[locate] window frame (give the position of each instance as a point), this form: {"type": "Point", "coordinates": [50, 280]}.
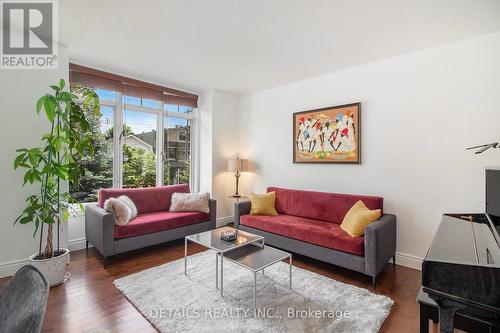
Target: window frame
{"type": "Point", "coordinates": [118, 121]}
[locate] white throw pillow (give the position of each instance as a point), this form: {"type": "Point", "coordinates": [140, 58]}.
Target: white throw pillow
{"type": "Point", "coordinates": [190, 202]}
{"type": "Point", "coordinates": [119, 209]}
{"type": "Point", "coordinates": [130, 204]}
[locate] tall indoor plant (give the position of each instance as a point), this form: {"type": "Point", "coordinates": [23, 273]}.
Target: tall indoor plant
{"type": "Point", "coordinates": [51, 166]}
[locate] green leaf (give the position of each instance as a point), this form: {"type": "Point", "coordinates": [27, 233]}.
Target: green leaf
{"type": "Point", "coordinates": [62, 83]}
{"type": "Point", "coordinates": [18, 218]}
{"type": "Point", "coordinates": [19, 160]}
{"type": "Point", "coordinates": [33, 157]}
{"type": "Point", "coordinates": [50, 108]}
{"type": "Point", "coordinates": [58, 143]}
{"type": "Point", "coordinates": [39, 104]}
{"type": "Point", "coordinates": [56, 88]}
{"type": "Point", "coordinates": [66, 96]}
{"type": "Point", "coordinates": [25, 220]}
{"type": "Point", "coordinates": [27, 177]}
{"type": "Point", "coordinates": [37, 176]}
{"type": "Point", "coordinates": [37, 224]}
{"type": "Point", "coordinates": [65, 215]}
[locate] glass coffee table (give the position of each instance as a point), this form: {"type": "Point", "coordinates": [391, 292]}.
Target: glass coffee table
{"type": "Point", "coordinates": [211, 240]}
{"type": "Point", "coordinates": [248, 251]}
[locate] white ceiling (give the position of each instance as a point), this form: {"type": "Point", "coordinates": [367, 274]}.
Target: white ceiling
{"type": "Point", "coordinates": [246, 45]}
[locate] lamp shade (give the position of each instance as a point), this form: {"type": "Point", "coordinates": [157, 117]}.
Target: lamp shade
{"type": "Point", "coordinates": [237, 164]}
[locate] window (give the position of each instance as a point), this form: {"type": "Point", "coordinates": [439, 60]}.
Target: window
{"type": "Point", "coordinates": [106, 95]}
{"type": "Point", "coordinates": [153, 146]}
{"type": "Point", "coordinates": [139, 148]}
{"type": "Point", "coordinates": [178, 109]}
{"type": "Point", "coordinates": [98, 168]}
{"type": "Point", "coordinates": [177, 146]}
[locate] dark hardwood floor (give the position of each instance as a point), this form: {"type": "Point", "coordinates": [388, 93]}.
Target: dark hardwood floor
{"type": "Point", "coordinates": [89, 302]}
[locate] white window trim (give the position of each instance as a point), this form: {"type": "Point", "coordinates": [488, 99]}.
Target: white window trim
{"type": "Point", "coordinates": [118, 121]}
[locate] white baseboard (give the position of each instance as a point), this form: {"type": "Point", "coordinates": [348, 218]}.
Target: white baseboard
{"type": "Point", "coordinates": [409, 260]}
{"type": "Point", "coordinates": [10, 267]}
{"type": "Point", "coordinates": [223, 221]}
{"type": "Point", "coordinates": [77, 244]}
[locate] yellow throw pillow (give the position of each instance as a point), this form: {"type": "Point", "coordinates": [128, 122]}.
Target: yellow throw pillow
{"type": "Point", "coordinates": [263, 204]}
{"type": "Point", "coordinates": [357, 218]}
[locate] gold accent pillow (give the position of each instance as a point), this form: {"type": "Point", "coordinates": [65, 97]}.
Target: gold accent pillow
{"type": "Point", "coordinates": [263, 204]}
{"type": "Point", "coordinates": [358, 217]}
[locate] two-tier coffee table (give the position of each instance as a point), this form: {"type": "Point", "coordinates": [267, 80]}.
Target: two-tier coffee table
{"type": "Point", "coordinates": [255, 259]}
{"type": "Point", "coordinates": [248, 251]}
{"type": "Point", "coordinates": [211, 240]}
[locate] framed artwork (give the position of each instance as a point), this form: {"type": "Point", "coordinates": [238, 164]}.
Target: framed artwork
{"type": "Point", "coordinates": [328, 135]}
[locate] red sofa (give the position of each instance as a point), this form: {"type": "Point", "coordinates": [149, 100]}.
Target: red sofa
{"type": "Point", "coordinates": [154, 223]}
{"type": "Point", "coordinates": [308, 223]}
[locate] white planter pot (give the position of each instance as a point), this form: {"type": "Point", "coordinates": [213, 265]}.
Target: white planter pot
{"type": "Point", "coordinates": [54, 269]}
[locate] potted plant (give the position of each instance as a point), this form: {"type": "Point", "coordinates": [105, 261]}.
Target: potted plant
{"type": "Point", "coordinates": [52, 166]}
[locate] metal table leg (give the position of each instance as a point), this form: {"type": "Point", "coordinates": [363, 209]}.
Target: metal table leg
{"type": "Point", "coordinates": [254, 290]}
{"type": "Point", "coordinates": [290, 263]}
{"type": "Point", "coordinates": [221, 274]}
{"type": "Point", "coordinates": [185, 255]}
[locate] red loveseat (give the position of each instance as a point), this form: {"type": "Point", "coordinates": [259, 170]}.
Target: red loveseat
{"type": "Point", "coordinates": [153, 225]}
{"type": "Point", "coordinates": [308, 223]}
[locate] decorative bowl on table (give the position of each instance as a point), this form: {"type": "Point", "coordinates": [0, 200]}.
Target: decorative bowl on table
{"type": "Point", "coordinates": [229, 236]}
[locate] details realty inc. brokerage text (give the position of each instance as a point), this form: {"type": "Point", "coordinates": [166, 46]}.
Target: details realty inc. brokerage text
{"type": "Point", "coordinates": [228, 313]}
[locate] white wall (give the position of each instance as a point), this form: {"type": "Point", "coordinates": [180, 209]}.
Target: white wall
{"type": "Point", "coordinates": [217, 143]}
{"type": "Point", "coordinates": [21, 127]}
{"type": "Point", "coordinates": [203, 145]}
{"type": "Point", "coordinates": [419, 112]}
{"type": "Point", "coordinates": [224, 147]}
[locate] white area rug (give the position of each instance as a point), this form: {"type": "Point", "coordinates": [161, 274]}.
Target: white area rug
{"type": "Point", "coordinates": [173, 302]}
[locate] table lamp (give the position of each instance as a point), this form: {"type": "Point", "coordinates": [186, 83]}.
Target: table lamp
{"type": "Point", "coordinates": [237, 165]}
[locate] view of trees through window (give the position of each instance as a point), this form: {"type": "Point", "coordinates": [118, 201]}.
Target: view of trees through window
{"type": "Point", "coordinates": [98, 168]}
{"type": "Point", "coordinates": [137, 145]}
{"type": "Point", "coordinates": [139, 149]}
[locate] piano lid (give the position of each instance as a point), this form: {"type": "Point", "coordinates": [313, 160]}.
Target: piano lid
{"type": "Point", "coordinates": [462, 241]}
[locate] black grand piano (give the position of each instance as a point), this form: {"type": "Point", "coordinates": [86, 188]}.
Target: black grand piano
{"type": "Point", "coordinates": [461, 271]}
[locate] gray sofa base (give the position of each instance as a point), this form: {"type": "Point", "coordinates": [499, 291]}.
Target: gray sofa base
{"type": "Point", "coordinates": [123, 245]}
{"type": "Point", "coordinates": [331, 256]}
{"type": "Point", "coordinates": [100, 227]}
{"type": "Point", "coordinates": [379, 241]}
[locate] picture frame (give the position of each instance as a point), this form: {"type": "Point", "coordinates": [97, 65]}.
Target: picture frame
{"type": "Point", "coordinates": [328, 135]}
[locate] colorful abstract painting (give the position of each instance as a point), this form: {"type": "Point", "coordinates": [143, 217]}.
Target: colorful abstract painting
{"type": "Point", "coordinates": [328, 135]}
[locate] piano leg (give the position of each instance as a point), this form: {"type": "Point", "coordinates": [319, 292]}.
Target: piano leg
{"type": "Point", "coordinates": [394, 261]}
{"type": "Point", "coordinates": [424, 319]}
{"type": "Point", "coordinates": [446, 319]}
{"type": "Point", "coordinates": [447, 311]}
